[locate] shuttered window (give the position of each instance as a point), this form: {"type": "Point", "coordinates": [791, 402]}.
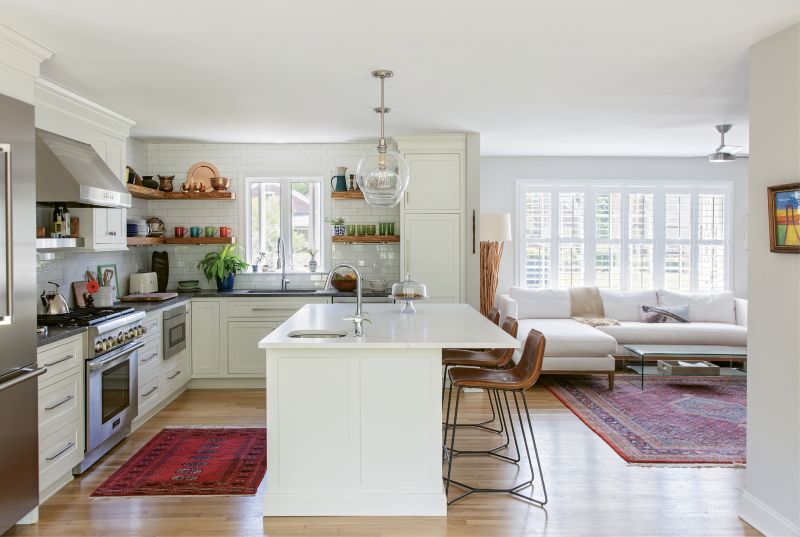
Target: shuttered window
{"type": "Point", "coordinates": [624, 236]}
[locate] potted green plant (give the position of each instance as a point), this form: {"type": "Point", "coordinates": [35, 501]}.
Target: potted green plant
{"type": "Point", "coordinates": [257, 261]}
{"type": "Point", "coordinates": [337, 224]}
{"type": "Point", "coordinates": [223, 265]}
{"type": "Point", "coordinates": [312, 263]}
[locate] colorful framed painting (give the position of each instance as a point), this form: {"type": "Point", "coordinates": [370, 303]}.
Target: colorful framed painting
{"type": "Point", "coordinates": [784, 218]}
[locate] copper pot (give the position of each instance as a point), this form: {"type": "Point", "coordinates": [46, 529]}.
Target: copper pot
{"type": "Point", "coordinates": [220, 183]}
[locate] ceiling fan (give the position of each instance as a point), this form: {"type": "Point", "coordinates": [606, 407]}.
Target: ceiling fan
{"type": "Point", "coordinates": [724, 153]}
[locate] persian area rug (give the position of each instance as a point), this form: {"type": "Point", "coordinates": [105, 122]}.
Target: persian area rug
{"type": "Point", "coordinates": [193, 462]}
{"type": "Point", "coordinates": [685, 420]}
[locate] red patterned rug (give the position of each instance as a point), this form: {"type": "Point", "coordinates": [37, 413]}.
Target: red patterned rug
{"type": "Point", "coordinates": [193, 462]}
{"type": "Point", "coordinates": [686, 420]}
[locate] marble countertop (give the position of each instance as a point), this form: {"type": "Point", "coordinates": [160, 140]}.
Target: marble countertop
{"type": "Point", "coordinates": [240, 293]}
{"type": "Point", "coordinates": [433, 326]}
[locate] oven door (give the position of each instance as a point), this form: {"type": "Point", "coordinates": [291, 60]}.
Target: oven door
{"type": "Point", "coordinates": [112, 398]}
{"type": "Point", "coordinates": [174, 331]}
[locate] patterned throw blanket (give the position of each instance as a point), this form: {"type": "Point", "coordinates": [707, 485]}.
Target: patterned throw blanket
{"type": "Point", "coordinates": [586, 307]}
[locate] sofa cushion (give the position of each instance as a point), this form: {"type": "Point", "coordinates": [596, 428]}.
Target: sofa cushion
{"type": "Point", "coordinates": [541, 303]}
{"type": "Point", "coordinates": [625, 305]}
{"type": "Point", "coordinates": [566, 337]}
{"type": "Point", "coordinates": [698, 333]}
{"type": "Point", "coordinates": [703, 307]}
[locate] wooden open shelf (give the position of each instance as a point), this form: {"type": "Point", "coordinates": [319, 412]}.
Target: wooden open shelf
{"type": "Point", "coordinates": [138, 191]}
{"type": "Point", "coordinates": [152, 241]}
{"type": "Point", "coordinates": [348, 195]}
{"type": "Point", "coordinates": [368, 239]}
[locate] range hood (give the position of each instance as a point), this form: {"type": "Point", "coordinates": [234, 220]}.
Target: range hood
{"type": "Point", "coordinates": [71, 171]}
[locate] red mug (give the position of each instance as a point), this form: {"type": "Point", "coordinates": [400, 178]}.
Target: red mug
{"type": "Point", "coordinates": [225, 231]}
{"type": "Point", "coordinates": [180, 232]}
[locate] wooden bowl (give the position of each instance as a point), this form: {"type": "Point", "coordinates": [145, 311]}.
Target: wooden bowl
{"type": "Point", "coordinates": [220, 183]}
{"type": "Point", "coordinates": [344, 285]}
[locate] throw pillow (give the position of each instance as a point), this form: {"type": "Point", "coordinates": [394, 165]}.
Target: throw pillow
{"type": "Point", "coordinates": [664, 314]}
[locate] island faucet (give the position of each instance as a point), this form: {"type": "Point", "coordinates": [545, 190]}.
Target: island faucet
{"type": "Point", "coordinates": [282, 262]}
{"type": "Point", "coordinates": [358, 318]}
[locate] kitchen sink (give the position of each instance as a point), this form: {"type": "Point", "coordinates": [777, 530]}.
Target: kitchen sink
{"type": "Point", "coordinates": [316, 334]}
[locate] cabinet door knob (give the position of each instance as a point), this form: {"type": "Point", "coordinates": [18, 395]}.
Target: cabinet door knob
{"type": "Point", "coordinates": [112, 233]}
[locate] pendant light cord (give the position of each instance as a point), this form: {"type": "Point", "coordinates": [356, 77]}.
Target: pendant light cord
{"type": "Point", "coordinates": [382, 142]}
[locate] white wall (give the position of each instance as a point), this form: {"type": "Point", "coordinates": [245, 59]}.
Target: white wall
{"type": "Point", "coordinates": [771, 501]}
{"type": "Point", "coordinates": [499, 175]}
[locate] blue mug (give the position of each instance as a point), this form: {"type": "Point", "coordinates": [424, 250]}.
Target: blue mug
{"type": "Point", "coordinates": [341, 183]}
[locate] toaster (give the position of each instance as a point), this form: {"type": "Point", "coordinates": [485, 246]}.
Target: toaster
{"type": "Point", "coordinates": [143, 282]}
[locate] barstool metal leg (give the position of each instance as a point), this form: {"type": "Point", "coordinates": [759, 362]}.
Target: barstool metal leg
{"type": "Point", "coordinates": [515, 490]}
{"type": "Point", "coordinates": [503, 428]}
{"type": "Point", "coordinates": [452, 439]}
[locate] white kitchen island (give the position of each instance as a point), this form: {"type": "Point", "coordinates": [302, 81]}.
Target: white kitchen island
{"type": "Point", "coordinates": [354, 424]}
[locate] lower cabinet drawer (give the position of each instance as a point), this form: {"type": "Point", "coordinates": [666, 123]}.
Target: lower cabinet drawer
{"type": "Point", "coordinates": [60, 402]}
{"type": "Point", "coordinates": [152, 325]}
{"type": "Point", "coordinates": [59, 359]}
{"type": "Point", "coordinates": [177, 370]}
{"type": "Point", "coordinates": [150, 393]}
{"type": "Point", "coordinates": [59, 452]}
{"type": "Point", "coordinates": [149, 359]}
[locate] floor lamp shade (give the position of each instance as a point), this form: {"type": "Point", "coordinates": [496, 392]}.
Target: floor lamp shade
{"type": "Point", "coordinates": [495, 230]}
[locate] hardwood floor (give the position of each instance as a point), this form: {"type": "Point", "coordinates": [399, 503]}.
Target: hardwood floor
{"type": "Point", "coordinates": [592, 491]}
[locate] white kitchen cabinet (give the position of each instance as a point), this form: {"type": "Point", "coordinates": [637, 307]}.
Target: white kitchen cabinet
{"type": "Point", "coordinates": [436, 182]}
{"type": "Point", "coordinates": [102, 229]}
{"type": "Point", "coordinates": [61, 407]}
{"type": "Point", "coordinates": [205, 319]}
{"type": "Point", "coordinates": [244, 356]}
{"type": "Point", "coordinates": [432, 254]}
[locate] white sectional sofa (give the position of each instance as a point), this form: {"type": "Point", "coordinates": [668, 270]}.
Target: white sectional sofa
{"type": "Point", "coordinates": [572, 346]}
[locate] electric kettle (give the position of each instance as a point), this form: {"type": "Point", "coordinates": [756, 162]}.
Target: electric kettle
{"type": "Point", "coordinates": [54, 302]}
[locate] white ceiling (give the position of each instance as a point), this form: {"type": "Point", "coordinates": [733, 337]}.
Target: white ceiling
{"type": "Point", "coordinates": [534, 77]}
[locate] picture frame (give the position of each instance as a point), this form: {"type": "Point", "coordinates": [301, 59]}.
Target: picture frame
{"type": "Point", "coordinates": [112, 267]}
{"type": "Point", "coordinates": [784, 218]}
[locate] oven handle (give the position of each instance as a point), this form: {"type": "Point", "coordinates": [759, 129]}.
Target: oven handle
{"type": "Point", "coordinates": [116, 358]}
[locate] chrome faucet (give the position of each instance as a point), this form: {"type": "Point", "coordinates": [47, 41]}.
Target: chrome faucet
{"type": "Point", "coordinates": [282, 262]}
{"type": "Point", "coordinates": [358, 318]}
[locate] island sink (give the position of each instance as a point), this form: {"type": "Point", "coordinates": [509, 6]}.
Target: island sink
{"type": "Point", "coordinates": [316, 334]}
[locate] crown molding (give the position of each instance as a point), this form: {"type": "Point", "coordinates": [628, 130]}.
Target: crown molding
{"type": "Point", "coordinates": [65, 96]}
{"type": "Point", "coordinates": [24, 45]}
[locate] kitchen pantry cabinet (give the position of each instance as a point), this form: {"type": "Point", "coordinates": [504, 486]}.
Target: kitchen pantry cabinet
{"type": "Point", "coordinates": [432, 254]}
{"type": "Point", "coordinates": [61, 404]}
{"type": "Point", "coordinates": [102, 229]}
{"type": "Point", "coordinates": [436, 183]}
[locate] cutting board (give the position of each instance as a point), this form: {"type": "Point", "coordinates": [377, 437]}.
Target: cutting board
{"type": "Point", "coordinates": [148, 297]}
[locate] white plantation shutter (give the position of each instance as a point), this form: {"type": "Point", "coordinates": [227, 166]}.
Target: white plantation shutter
{"type": "Point", "coordinates": [619, 236]}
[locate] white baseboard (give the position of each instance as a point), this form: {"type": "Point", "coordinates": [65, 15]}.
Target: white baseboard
{"type": "Point", "coordinates": [220, 383]}
{"type": "Point", "coordinates": [354, 504]}
{"type": "Point", "coordinates": [30, 518]}
{"type": "Point", "coordinates": [763, 518]}
{"type": "Point", "coordinates": [57, 485]}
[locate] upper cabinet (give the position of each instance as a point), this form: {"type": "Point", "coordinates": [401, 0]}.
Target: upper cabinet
{"type": "Point", "coordinates": [436, 182]}
{"type": "Point", "coordinates": [112, 150]}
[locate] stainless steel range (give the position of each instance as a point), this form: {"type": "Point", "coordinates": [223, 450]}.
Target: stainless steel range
{"type": "Point", "coordinates": [111, 387]}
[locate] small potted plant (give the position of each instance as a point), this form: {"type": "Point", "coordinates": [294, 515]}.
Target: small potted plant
{"type": "Point", "coordinates": [257, 261]}
{"type": "Point", "coordinates": [223, 265]}
{"type": "Point", "coordinates": [338, 226]}
{"type": "Point", "coordinates": [312, 263]}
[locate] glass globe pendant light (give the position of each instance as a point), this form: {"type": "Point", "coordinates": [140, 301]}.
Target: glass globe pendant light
{"type": "Point", "coordinates": [382, 174]}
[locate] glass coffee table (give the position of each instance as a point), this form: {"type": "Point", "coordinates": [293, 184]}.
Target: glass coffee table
{"type": "Point", "coordinates": [689, 353]}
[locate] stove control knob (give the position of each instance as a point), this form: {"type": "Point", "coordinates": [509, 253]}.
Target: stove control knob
{"type": "Point", "coordinates": [98, 346]}
{"type": "Point", "coordinates": [103, 345]}
{"type": "Point", "coordinates": [142, 328]}
{"type": "Point", "coordinates": [121, 338]}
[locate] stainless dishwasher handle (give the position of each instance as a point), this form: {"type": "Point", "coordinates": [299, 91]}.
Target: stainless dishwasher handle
{"type": "Point", "coordinates": [68, 398]}
{"type": "Point", "coordinates": [22, 378]}
{"type": "Point", "coordinates": [57, 455]}
{"type": "Point", "coordinates": [64, 359]}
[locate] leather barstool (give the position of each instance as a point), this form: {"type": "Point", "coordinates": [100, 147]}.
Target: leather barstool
{"type": "Point", "coordinates": [494, 359]}
{"type": "Point", "coordinates": [512, 381]}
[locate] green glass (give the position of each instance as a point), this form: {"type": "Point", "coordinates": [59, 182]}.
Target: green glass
{"type": "Point", "coordinates": [390, 228]}
{"type": "Point", "coordinates": [381, 228]}
{"type": "Point", "coordinates": [371, 229]}
{"type": "Point", "coordinates": [350, 229]}
{"type": "Point", "coordinates": [360, 229]}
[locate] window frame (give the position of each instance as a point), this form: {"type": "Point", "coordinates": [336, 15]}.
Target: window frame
{"type": "Point", "coordinates": [285, 181]}
{"type": "Point", "coordinates": [590, 188]}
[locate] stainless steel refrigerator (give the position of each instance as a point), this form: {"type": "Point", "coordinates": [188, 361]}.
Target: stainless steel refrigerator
{"type": "Point", "coordinates": [19, 445]}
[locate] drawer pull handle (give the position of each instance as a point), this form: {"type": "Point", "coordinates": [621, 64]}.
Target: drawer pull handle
{"type": "Point", "coordinates": [260, 309]}
{"type": "Point", "coordinates": [67, 398]}
{"type": "Point", "coordinates": [64, 359]}
{"type": "Point", "coordinates": [175, 375]}
{"type": "Point", "coordinates": [149, 357]}
{"type": "Point", "coordinates": [112, 233]}
{"type": "Point", "coordinates": [57, 455]}
{"type": "Point", "coordinates": [154, 388]}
